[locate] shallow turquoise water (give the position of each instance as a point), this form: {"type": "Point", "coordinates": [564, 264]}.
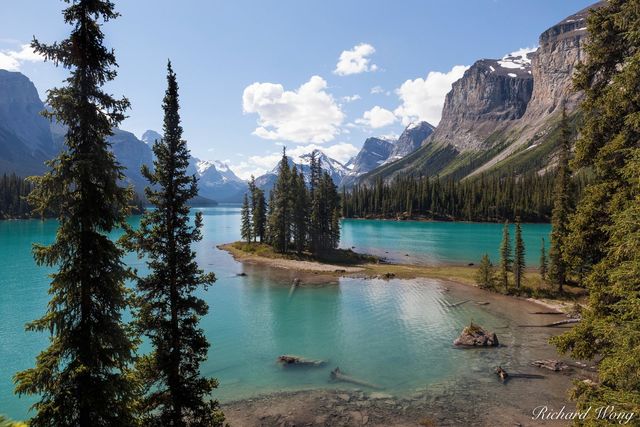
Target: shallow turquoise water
{"type": "Point", "coordinates": [395, 333]}
{"type": "Point", "coordinates": [438, 242]}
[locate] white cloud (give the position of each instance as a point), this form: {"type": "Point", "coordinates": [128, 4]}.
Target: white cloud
{"type": "Point", "coordinates": [11, 60]}
{"type": "Point", "coordinates": [350, 98]}
{"type": "Point", "coordinates": [356, 60]}
{"type": "Point", "coordinates": [308, 114]}
{"type": "Point", "coordinates": [377, 117]}
{"type": "Point", "coordinates": [259, 165]}
{"type": "Point", "coordinates": [422, 99]}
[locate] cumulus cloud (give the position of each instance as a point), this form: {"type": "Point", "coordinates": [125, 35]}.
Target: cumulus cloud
{"type": "Point", "coordinates": [308, 114]}
{"type": "Point", "coordinates": [422, 99]}
{"type": "Point", "coordinates": [259, 165]}
{"type": "Point", "coordinates": [376, 90]}
{"type": "Point", "coordinates": [377, 117]}
{"type": "Point", "coordinates": [356, 60]}
{"type": "Point", "coordinates": [11, 60]}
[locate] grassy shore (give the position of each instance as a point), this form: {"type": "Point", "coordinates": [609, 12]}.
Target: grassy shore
{"type": "Point", "coordinates": [345, 262]}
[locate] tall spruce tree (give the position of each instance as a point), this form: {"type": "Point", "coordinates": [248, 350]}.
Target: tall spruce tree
{"type": "Point", "coordinates": [258, 211]}
{"type": "Point", "coordinates": [168, 312]}
{"type": "Point", "coordinates": [280, 209]}
{"type": "Point", "coordinates": [543, 261]}
{"type": "Point", "coordinates": [81, 378]}
{"type": "Point", "coordinates": [506, 260]}
{"type": "Point", "coordinates": [605, 229]}
{"type": "Point", "coordinates": [518, 259]}
{"type": "Point", "coordinates": [245, 217]}
{"type": "Point", "coordinates": [561, 208]}
{"type": "Point", "coordinates": [315, 213]}
{"type": "Point", "coordinates": [300, 206]}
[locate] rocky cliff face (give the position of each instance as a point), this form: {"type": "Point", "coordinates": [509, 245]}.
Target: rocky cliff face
{"type": "Point", "coordinates": [373, 154]}
{"type": "Point", "coordinates": [553, 64]}
{"type": "Point", "coordinates": [490, 95]}
{"type": "Point", "coordinates": [410, 140]}
{"type": "Point", "coordinates": [25, 139]}
{"type": "Point", "coordinates": [503, 109]}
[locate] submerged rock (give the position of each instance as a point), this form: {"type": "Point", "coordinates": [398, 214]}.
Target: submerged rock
{"type": "Point", "coordinates": [474, 336]}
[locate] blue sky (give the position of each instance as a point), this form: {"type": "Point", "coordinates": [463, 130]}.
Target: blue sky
{"type": "Point", "coordinates": [256, 75]}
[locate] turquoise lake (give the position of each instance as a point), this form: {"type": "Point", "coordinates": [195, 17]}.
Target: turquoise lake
{"type": "Point", "coordinates": [396, 334]}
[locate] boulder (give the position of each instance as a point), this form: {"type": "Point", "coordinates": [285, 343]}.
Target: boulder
{"type": "Point", "coordinates": [475, 336]}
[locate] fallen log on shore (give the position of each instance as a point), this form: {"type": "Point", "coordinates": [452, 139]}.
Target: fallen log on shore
{"type": "Point", "coordinates": [553, 324]}
{"type": "Point", "coordinates": [337, 375]}
{"type": "Point", "coordinates": [546, 312]}
{"type": "Point", "coordinates": [504, 376]}
{"type": "Point", "coordinates": [551, 364]}
{"type": "Point", "coordinates": [457, 304]}
{"type": "Point", "coordinates": [291, 360]}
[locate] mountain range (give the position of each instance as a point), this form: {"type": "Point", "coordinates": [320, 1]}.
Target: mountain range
{"type": "Point", "coordinates": [502, 115]}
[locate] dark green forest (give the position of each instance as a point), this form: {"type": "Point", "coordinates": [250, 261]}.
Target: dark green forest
{"type": "Point", "coordinates": [491, 198]}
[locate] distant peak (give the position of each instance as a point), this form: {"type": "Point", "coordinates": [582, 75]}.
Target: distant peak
{"type": "Point", "coordinates": [150, 136]}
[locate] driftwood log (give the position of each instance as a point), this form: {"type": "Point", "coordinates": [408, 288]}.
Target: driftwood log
{"type": "Point", "coordinates": [504, 376]}
{"type": "Point", "coordinates": [457, 304]}
{"type": "Point", "coordinates": [291, 360]}
{"type": "Point", "coordinates": [553, 324]}
{"type": "Point", "coordinates": [338, 375]}
{"type": "Point", "coordinates": [546, 312]}
{"type": "Point", "coordinates": [550, 364]}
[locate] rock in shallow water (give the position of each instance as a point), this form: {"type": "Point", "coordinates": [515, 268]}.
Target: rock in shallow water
{"type": "Point", "coordinates": [476, 336]}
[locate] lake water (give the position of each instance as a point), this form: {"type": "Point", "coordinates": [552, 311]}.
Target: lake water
{"type": "Point", "coordinates": [396, 334]}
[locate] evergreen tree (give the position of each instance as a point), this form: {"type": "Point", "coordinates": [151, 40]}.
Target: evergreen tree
{"type": "Point", "coordinates": [543, 261]}
{"type": "Point", "coordinates": [605, 229]}
{"type": "Point", "coordinates": [81, 378]}
{"type": "Point", "coordinates": [485, 276]}
{"type": "Point", "coordinates": [518, 261]}
{"type": "Point", "coordinates": [280, 214]}
{"type": "Point", "coordinates": [315, 214]}
{"type": "Point", "coordinates": [300, 205]}
{"type": "Point", "coordinates": [561, 208]}
{"type": "Point", "coordinates": [506, 260]}
{"type": "Point", "coordinates": [246, 230]}
{"type": "Point", "coordinates": [258, 211]}
{"type": "Point", "coordinates": [176, 394]}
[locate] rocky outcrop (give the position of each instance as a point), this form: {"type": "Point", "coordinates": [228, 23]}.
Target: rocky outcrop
{"type": "Point", "coordinates": [410, 140]}
{"type": "Point", "coordinates": [490, 96]}
{"type": "Point", "coordinates": [474, 336]}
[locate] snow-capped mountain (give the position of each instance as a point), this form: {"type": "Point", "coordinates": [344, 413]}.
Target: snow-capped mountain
{"type": "Point", "coordinates": [150, 136]}
{"type": "Point", "coordinates": [336, 170]}
{"type": "Point", "coordinates": [377, 152]}
{"type": "Point", "coordinates": [215, 179]}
